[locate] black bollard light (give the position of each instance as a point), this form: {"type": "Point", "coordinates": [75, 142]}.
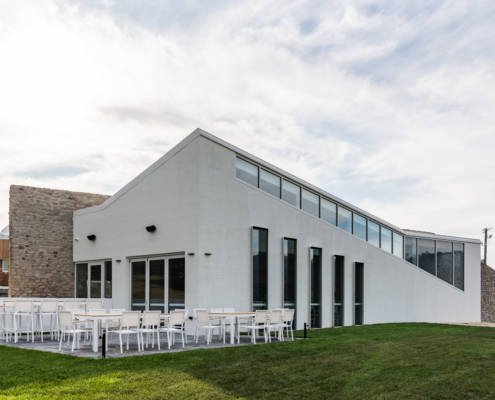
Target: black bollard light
{"type": "Point", "coordinates": [305, 330]}
{"type": "Point", "coordinates": [103, 345]}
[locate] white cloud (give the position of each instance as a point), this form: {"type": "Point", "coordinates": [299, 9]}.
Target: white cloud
{"type": "Point", "coordinates": [385, 104]}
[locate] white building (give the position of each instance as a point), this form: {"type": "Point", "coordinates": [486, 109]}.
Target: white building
{"type": "Point", "coordinates": [209, 225]}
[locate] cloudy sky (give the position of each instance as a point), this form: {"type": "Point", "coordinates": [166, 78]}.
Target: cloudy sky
{"type": "Point", "coordinates": [389, 105]}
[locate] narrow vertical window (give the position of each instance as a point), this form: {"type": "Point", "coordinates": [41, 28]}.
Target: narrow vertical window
{"type": "Point", "coordinates": [108, 279]}
{"type": "Point", "coordinates": [345, 219]}
{"type": "Point", "coordinates": [5, 266]}
{"type": "Point", "coordinates": [329, 212]}
{"type": "Point", "coordinates": [291, 193]}
{"type": "Point", "coordinates": [398, 245]}
{"type": "Point", "coordinates": [373, 233]}
{"type": "Point", "coordinates": [270, 183]}
{"type": "Point", "coordinates": [290, 274]}
{"type": "Point", "coordinates": [386, 239]}
{"type": "Point", "coordinates": [311, 203]}
{"type": "Point", "coordinates": [445, 261]}
{"type": "Point", "coordinates": [315, 287]}
{"type": "Point", "coordinates": [360, 227]}
{"type": "Point", "coordinates": [82, 281]}
{"type": "Point", "coordinates": [426, 255]}
{"type": "Point", "coordinates": [358, 293]}
{"type": "Point", "coordinates": [260, 269]}
{"type": "Point", "coordinates": [338, 296]}
{"type": "Point", "coordinates": [412, 250]}
{"type": "Point", "coordinates": [247, 172]}
{"type": "Point", "coordinates": [95, 283]}
{"type": "Point", "coordinates": [459, 265]}
{"type": "Point", "coordinates": [176, 284]}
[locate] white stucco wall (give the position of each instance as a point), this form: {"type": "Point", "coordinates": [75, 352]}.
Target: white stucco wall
{"type": "Point", "coordinates": [198, 206]}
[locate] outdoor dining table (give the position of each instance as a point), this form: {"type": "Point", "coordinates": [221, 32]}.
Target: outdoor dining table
{"type": "Point", "coordinates": [234, 320]}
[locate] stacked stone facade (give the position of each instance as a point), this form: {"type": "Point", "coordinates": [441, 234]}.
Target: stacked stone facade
{"type": "Point", "coordinates": [487, 293]}
{"type": "Point", "coordinates": [41, 240]}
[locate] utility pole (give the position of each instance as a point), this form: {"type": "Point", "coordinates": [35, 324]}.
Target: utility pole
{"type": "Point", "coordinates": [486, 242]}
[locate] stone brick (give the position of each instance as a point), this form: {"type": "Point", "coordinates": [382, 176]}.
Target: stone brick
{"type": "Point", "coordinates": [487, 293]}
{"type": "Point", "coordinates": [41, 236]}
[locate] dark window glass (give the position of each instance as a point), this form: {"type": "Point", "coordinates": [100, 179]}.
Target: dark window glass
{"type": "Point", "coordinates": [315, 288]}
{"type": "Point", "coordinates": [411, 250]}
{"type": "Point", "coordinates": [358, 294]}
{"type": "Point", "coordinates": [338, 295]}
{"type": "Point", "coordinates": [108, 279]}
{"type": "Point", "coordinates": [82, 281]}
{"type": "Point", "coordinates": [360, 227]}
{"type": "Point", "coordinates": [5, 265]}
{"type": "Point", "coordinates": [398, 245]}
{"type": "Point", "coordinates": [345, 219]}
{"type": "Point", "coordinates": [138, 300]}
{"type": "Point", "coordinates": [291, 193]}
{"type": "Point", "coordinates": [270, 183]}
{"type": "Point", "coordinates": [290, 274]}
{"type": "Point", "coordinates": [95, 283]}
{"type": "Point", "coordinates": [329, 212]}
{"type": "Point", "coordinates": [373, 233]}
{"type": "Point", "coordinates": [246, 172]}
{"type": "Point", "coordinates": [260, 269]}
{"type": "Point", "coordinates": [445, 262]}
{"type": "Point", "coordinates": [459, 265]}
{"type": "Point", "coordinates": [386, 240]}
{"type": "Point", "coordinates": [311, 203]}
{"type": "Point", "coordinates": [427, 255]}
{"type": "Point", "coordinates": [157, 285]}
{"type": "Point", "coordinates": [176, 284]}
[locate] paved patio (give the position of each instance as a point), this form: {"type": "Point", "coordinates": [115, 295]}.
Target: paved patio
{"type": "Point", "coordinates": [114, 348]}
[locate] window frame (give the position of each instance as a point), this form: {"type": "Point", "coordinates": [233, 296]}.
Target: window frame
{"type": "Point", "coordinates": [89, 264]}
{"type": "Point", "coordinates": [3, 265]}
{"type": "Point", "coordinates": [252, 265]}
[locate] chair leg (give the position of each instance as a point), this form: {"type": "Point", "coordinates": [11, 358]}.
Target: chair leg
{"type": "Point", "coordinates": [41, 326]}
{"type": "Point", "coordinates": [120, 341]}
{"type": "Point", "coordinates": [182, 336]}
{"type": "Point", "coordinates": [73, 340]}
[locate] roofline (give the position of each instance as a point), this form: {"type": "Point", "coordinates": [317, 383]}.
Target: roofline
{"type": "Point", "coordinates": [200, 132]}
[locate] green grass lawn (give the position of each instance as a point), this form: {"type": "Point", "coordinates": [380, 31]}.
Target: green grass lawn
{"type": "Point", "coordinates": [380, 361]}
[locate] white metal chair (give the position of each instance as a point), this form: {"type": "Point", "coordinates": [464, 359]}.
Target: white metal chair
{"type": "Point", "coordinates": [287, 320]}
{"type": "Point", "coordinates": [203, 321]}
{"type": "Point", "coordinates": [229, 319]}
{"type": "Point", "coordinates": [71, 305]}
{"type": "Point", "coordinates": [195, 317]}
{"type": "Point", "coordinates": [218, 323]}
{"type": "Point", "coordinates": [112, 326]}
{"type": "Point", "coordinates": [69, 326]}
{"type": "Point", "coordinates": [150, 324]}
{"type": "Point", "coordinates": [259, 323]}
{"type": "Point", "coordinates": [48, 308]}
{"type": "Point", "coordinates": [94, 304]}
{"type": "Point", "coordinates": [22, 308]}
{"type": "Point", "coordinates": [129, 325]}
{"type": "Point", "coordinates": [275, 324]}
{"type": "Point", "coordinates": [175, 325]}
{"type": "Point", "coordinates": [186, 313]}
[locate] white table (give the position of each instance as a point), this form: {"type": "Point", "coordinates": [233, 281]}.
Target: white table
{"type": "Point", "coordinates": [233, 320]}
{"type": "Point", "coordinates": [97, 318]}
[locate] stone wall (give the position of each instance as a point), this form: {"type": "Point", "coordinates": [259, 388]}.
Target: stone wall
{"type": "Point", "coordinates": [487, 293]}
{"type": "Point", "coordinates": [41, 240]}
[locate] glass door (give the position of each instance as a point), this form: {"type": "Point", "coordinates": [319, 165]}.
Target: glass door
{"type": "Point", "coordinates": [158, 283]}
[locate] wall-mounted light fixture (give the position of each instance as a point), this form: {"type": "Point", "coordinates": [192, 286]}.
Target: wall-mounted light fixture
{"type": "Point", "coordinates": [117, 260]}
{"type": "Point", "coordinates": [76, 239]}
{"type": "Point", "coordinates": [190, 254]}
{"type": "Point", "coordinates": [151, 228]}
{"type": "Point", "coordinates": [92, 237]}
{"type": "Point", "coordinates": [207, 254]}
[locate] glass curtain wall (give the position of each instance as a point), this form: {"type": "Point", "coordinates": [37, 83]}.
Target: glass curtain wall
{"type": "Point", "coordinates": [398, 245]}
{"type": "Point", "coordinates": [82, 280]}
{"type": "Point", "coordinates": [360, 227]}
{"type": "Point", "coordinates": [260, 269]}
{"type": "Point", "coordinates": [329, 212]}
{"type": "Point", "coordinates": [311, 203]}
{"type": "Point", "coordinates": [386, 240]}
{"type": "Point", "coordinates": [358, 293]}
{"type": "Point", "coordinates": [345, 219]}
{"type": "Point", "coordinates": [374, 233]}
{"type": "Point", "coordinates": [291, 193]}
{"type": "Point", "coordinates": [108, 279]}
{"type": "Point", "coordinates": [290, 275]}
{"type": "Point", "coordinates": [176, 284]}
{"type": "Point", "coordinates": [270, 183]}
{"type": "Point", "coordinates": [459, 265]}
{"type": "Point", "coordinates": [412, 250]}
{"type": "Point", "coordinates": [445, 261]}
{"type": "Point", "coordinates": [338, 292]}
{"type": "Point", "coordinates": [426, 255]}
{"type": "Point", "coordinates": [246, 172]}
{"type": "Point", "coordinates": [95, 283]}
{"type": "Point", "coordinates": [315, 288]}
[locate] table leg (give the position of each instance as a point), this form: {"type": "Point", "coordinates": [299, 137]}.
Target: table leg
{"type": "Point", "coordinates": [96, 338]}
{"type": "Point", "coordinates": [232, 325]}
